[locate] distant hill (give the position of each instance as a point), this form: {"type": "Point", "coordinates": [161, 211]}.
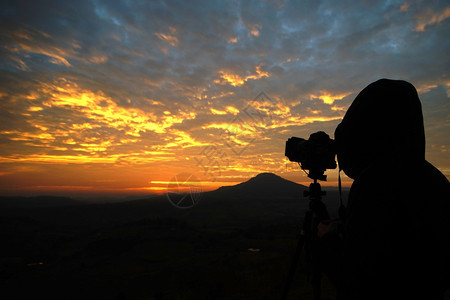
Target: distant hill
{"type": "Point", "coordinates": [36, 202]}
{"type": "Point", "coordinates": [263, 198]}
{"type": "Point", "coordinates": [264, 185]}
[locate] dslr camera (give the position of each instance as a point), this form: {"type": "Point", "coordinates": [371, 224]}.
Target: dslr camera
{"type": "Point", "coordinates": [317, 154]}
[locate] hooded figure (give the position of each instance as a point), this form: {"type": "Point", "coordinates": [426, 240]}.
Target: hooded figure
{"type": "Point", "coordinates": [395, 242]}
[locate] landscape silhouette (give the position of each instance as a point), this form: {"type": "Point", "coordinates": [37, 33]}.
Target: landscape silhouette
{"type": "Point", "coordinates": [125, 124]}
{"type": "Point", "coordinates": [237, 242]}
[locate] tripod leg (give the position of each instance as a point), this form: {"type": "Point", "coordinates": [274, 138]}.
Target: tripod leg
{"type": "Point", "coordinates": [316, 279]}
{"type": "Point", "coordinates": [293, 267]}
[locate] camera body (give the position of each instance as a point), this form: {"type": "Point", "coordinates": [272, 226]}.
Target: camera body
{"type": "Point", "coordinates": [315, 154]}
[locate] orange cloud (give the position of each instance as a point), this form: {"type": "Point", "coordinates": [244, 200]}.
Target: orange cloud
{"type": "Point", "coordinates": [237, 80]}
{"type": "Point", "coordinates": [217, 112]}
{"type": "Point", "coordinates": [233, 128]}
{"type": "Point", "coordinates": [184, 140]}
{"type": "Point", "coordinates": [254, 30]}
{"type": "Point", "coordinates": [171, 38]}
{"type": "Point", "coordinates": [300, 121]}
{"type": "Point", "coordinates": [98, 59]}
{"type": "Point", "coordinates": [78, 141]}
{"type": "Point", "coordinates": [45, 138]}
{"type": "Point", "coordinates": [56, 54]}
{"type": "Point", "coordinates": [232, 110]}
{"type": "Point", "coordinates": [328, 97]}
{"type": "Point", "coordinates": [34, 108]}
{"type": "Point", "coordinates": [431, 18]}
{"type": "Point", "coordinates": [228, 110]}
{"type": "Point", "coordinates": [104, 111]}
{"type": "Point", "coordinates": [404, 7]}
{"type": "Point", "coordinates": [143, 157]}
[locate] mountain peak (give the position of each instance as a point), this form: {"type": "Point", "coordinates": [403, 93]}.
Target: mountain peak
{"type": "Point", "coordinates": [263, 185]}
{"type": "Point", "coordinates": [267, 175]}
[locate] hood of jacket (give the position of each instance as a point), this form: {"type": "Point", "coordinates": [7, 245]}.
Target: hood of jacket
{"type": "Point", "coordinates": [383, 127]}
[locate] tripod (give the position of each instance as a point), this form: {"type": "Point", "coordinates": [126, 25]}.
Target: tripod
{"type": "Point", "coordinates": [316, 213]}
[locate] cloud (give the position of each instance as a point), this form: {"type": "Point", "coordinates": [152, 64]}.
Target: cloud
{"type": "Point", "coordinates": [237, 80]}
{"type": "Point", "coordinates": [154, 84]}
{"type": "Point", "coordinates": [430, 17]}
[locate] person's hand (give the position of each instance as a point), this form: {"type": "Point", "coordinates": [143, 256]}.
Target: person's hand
{"type": "Point", "coordinates": [323, 229]}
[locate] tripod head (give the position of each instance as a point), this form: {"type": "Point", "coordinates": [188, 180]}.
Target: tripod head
{"type": "Point", "coordinates": [316, 206]}
{"type": "Point", "coordinates": [316, 174]}
{"type": "Point", "coordinates": [315, 194]}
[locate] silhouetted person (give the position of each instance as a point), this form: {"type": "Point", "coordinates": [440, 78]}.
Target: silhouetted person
{"type": "Point", "coordinates": [395, 236]}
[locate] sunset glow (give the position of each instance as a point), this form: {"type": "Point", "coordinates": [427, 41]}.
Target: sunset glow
{"type": "Point", "coordinates": [119, 99]}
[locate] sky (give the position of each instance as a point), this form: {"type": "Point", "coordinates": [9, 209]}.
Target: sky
{"type": "Point", "coordinates": [126, 97]}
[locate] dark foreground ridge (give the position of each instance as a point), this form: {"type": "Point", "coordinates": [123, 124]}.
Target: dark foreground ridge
{"type": "Point", "coordinates": [235, 243]}
{"type": "Point", "coordinates": [39, 201]}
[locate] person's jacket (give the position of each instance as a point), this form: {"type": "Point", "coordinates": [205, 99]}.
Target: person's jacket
{"type": "Point", "coordinates": [396, 231]}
